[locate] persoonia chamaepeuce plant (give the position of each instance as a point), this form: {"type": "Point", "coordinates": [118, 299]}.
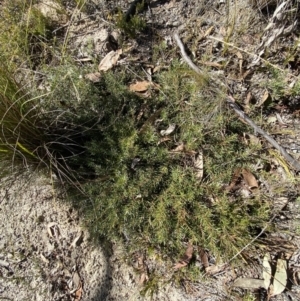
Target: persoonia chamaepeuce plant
{"type": "Point", "coordinates": [137, 187]}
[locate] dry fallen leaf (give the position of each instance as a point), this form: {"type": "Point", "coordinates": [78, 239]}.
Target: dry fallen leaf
{"type": "Point", "coordinates": [52, 229]}
{"type": "Point", "coordinates": [169, 130]}
{"type": "Point", "coordinates": [203, 257]}
{"type": "Point", "coordinates": [77, 241]}
{"type": "Point", "coordinates": [163, 139]}
{"type": "Point", "coordinates": [212, 64]}
{"type": "Point", "coordinates": [247, 103]}
{"type": "Point", "coordinates": [267, 270]}
{"type": "Point", "coordinates": [280, 278]}
{"type": "Point", "coordinates": [209, 31]}
{"type": "Point", "coordinates": [78, 294]}
{"type": "Point", "coordinates": [140, 86]}
{"type": "Point", "coordinates": [93, 77]}
{"type": "Point", "coordinates": [109, 60]}
{"type": "Point", "coordinates": [198, 165]}
{"type": "Point", "coordinates": [214, 269]}
{"type": "Point", "coordinates": [76, 280]}
{"type": "Point", "coordinates": [179, 148]}
{"type": "Point", "coordinates": [264, 98]}
{"type": "Point", "coordinates": [235, 183]}
{"type": "Point", "coordinates": [280, 121]}
{"type": "Point", "coordinates": [185, 259]}
{"type": "Point", "coordinates": [248, 283]}
{"type": "Point", "coordinates": [143, 278]}
{"type": "Point", "coordinates": [249, 178]}
{"type": "Point", "coordinates": [77, 286]}
{"type": "Point", "coordinates": [251, 139]}
{"type": "Point", "coordinates": [143, 86]}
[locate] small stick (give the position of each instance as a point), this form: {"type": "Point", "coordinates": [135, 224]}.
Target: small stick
{"type": "Point", "coordinates": [216, 83]}
{"type": "Point", "coordinates": [185, 56]}
{"type": "Point", "coordinates": [294, 163]}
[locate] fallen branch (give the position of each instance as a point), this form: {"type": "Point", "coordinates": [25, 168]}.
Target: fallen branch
{"type": "Point", "coordinates": [187, 59]}
{"type": "Point", "coordinates": [185, 56]}
{"type": "Point", "coordinates": [294, 163]}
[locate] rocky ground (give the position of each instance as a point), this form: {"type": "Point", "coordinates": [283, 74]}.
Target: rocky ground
{"type": "Point", "coordinates": [46, 254]}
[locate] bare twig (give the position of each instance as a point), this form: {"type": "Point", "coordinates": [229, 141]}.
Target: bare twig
{"type": "Point", "coordinates": [294, 163]}
{"type": "Point", "coordinates": [216, 83]}
{"type": "Point", "coordinates": [185, 56]}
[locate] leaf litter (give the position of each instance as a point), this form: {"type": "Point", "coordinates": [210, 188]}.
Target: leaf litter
{"type": "Point", "coordinates": [275, 283]}
{"type": "Point", "coordinates": [110, 60]}
{"type": "Point", "coordinates": [186, 258]}
{"type": "Point", "coordinates": [280, 278]}
{"type": "Point", "coordinates": [267, 270]}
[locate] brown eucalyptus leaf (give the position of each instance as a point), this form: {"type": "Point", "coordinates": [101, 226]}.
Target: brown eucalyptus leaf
{"type": "Point", "coordinates": [249, 178]}
{"type": "Point", "coordinates": [140, 86]}
{"type": "Point", "coordinates": [78, 294]}
{"type": "Point", "coordinates": [214, 269]}
{"type": "Point", "coordinates": [203, 257]}
{"type": "Point", "coordinates": [235, 181]}
{"type": "Point", "coordinates": [247, 103]}
{"type": "Point", "coordinates": [186, 258]}
{"type": "Point", "coordinates": [209, 31]}
{"type": "Point", "coordinates": [280, 278]}
{"type": "Point", "coordinates": [163, 139]}
{"type": "Point", "coordinates": [179, 148]}
{"type": "Point", "coordinates": [212, 64]}
{"type": "Point", "coordinates": [267, 270]}
{"type": "Point", "coordinates": [109, 60]}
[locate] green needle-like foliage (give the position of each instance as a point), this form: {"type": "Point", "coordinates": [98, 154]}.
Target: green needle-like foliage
{"type": "Point", "coordinates": [136, 188]}
{"type": "Point", "coordinates": [159, 201]}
